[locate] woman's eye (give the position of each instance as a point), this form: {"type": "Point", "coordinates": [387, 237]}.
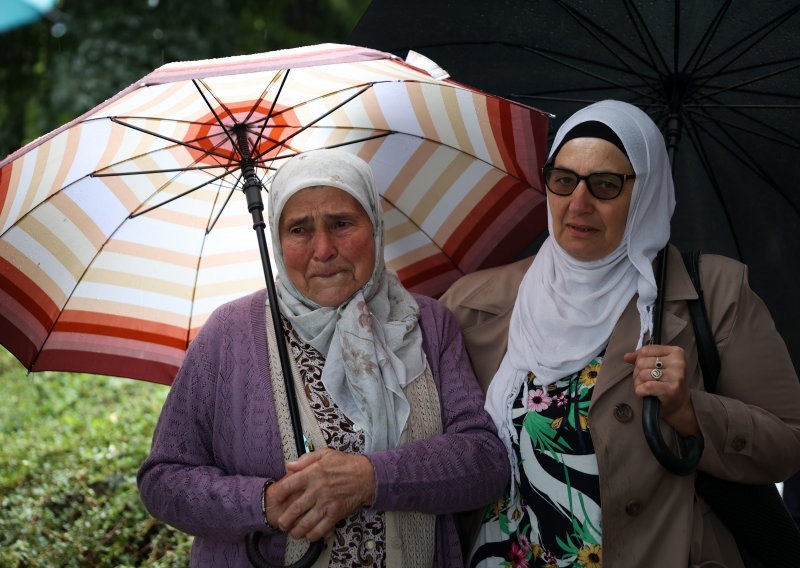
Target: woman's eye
{"type": "Point", "coordinates": [607, 184]}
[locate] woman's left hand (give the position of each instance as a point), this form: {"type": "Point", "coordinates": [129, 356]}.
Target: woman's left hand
{"type": "Point", "coordinates": [660, 371]}
{"type": "Point", "coordinates": [320, 489]}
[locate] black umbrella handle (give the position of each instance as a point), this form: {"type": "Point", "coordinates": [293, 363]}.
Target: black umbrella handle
{"type": "Point", "coordinates": [252, 191]}
{"type": "Point", "coordinates": [258, 561]}
{"type": "Point", "coordinates": [691, 447]}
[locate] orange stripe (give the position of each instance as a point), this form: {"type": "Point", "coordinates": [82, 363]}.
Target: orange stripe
{"type": "Point", "coordinates": [122, 327]}
{"type": "Point", "coordinates": [148, 252]}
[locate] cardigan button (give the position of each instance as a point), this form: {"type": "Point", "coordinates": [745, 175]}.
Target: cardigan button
{"type": "Point", "coordinates": [633, 507]}
{"type": "Point", "coordinates": [395, 543]}
{"type": "Point", "coordinates": [738, 444]}
{"type": "Point", "coordinates": [623, 413]}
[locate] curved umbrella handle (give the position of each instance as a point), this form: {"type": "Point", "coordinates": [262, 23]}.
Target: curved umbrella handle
{"type": "Point", "coordinates": [692, 447]}
{"type": "Point", "coordinates": [258, 561]}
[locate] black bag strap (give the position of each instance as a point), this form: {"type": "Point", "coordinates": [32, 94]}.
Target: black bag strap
{"type": "Point", "coordinates": [766, 534]}
{"type": "Point", "coordinates": [707, 353]}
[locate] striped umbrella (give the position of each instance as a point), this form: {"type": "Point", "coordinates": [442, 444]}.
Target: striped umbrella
{"type": "Point", "coordinates": [122, 230]}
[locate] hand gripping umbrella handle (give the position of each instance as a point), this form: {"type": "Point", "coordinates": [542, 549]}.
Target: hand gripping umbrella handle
{"type": "Point", "coordinates": [691, 447]}
{"type": "Point", "coordinates": [252, 191]}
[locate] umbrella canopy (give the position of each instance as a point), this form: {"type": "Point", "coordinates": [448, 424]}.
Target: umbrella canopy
{"type": "Point", "coordinates": [15, 13]}
{"type": "Point", "coordinates": [721, 79]}
{"type": "Point", "coordinates": [121, 231]}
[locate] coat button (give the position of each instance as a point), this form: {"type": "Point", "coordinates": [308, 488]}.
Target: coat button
{"type": "Point", "coordinates": [623, 412]}
{"type": "Point", "coordinates": [738, 444]}
{"type": "Point", "coordinates": [633, 507]}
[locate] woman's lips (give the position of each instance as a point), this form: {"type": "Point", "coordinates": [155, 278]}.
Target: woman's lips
{"type": "Point", "coordinates": [329, 274]}
{"type": "Point", "coordinates": [581, 229]}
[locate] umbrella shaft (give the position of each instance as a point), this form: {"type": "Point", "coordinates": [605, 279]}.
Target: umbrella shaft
{"type": "Point", "coordinates": [283, 354]}
{"type": "Point", "coordinates": [252, 192]}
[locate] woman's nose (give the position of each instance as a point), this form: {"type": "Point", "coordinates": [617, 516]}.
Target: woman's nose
{"type": "Point", "coordinates": [324, 246]}
{"type": "Point", "coordinates": [581, 199]}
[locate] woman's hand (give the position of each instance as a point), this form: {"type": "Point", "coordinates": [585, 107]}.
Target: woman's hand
{"type": "Point", "coordinates": [669, 386]}
{"type": "Point", "coordinates": [319, 490]}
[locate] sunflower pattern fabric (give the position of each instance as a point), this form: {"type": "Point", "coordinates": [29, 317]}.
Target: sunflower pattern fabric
{"type": "Point", "coordinates": [553, 519]}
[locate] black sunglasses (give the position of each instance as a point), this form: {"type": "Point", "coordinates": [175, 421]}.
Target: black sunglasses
{"type": "Point", "coordinates": [602, 185]}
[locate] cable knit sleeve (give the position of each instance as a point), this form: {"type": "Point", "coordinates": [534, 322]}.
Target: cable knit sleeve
{"type": "Point", "coordinates": [465, 467]}
{"type": "Point", "coordinates": [208, 463]}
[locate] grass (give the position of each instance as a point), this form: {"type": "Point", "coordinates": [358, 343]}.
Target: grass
{"type": "Point", "coordinates": [71, 446]}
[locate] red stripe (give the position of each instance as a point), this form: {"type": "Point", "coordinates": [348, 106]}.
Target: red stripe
{"type": "Point", "coordinates": [482, 216]}
{"type": "Point", "coordinates": [123, 327]}
{"type": "Point", "coordinates": [104, 364]}
{"type": "Point", "coordinates": [417, 273]}
{"type": "Point", "coordinates": [270, 61]}
{"type": "Point", "coordinates": [25, 291]}
{"type": "Point", "coordinates": [17, 342]}
{"type": "Point", "coordinates": [518, 239]}
{"type": "Point", "coordinates": [5, 181]}
{"type": "Point", "coordinates": [500, 121]}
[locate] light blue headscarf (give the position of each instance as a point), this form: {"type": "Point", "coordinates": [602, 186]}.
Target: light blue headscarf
{"type": "Point", "coordinates": [372, 343]}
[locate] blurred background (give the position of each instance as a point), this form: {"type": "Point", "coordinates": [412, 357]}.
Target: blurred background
{"type": "Point", "coordinates": [70, 444]}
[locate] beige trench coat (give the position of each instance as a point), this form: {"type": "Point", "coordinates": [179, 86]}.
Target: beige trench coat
{"type": "Point", "coordinates": [751, 427]}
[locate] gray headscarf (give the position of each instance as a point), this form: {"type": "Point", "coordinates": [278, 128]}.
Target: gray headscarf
{"type": "Point", "coordinates": [372, 342]}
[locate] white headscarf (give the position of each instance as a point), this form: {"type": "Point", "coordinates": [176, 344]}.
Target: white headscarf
{"type": "Point", "coordinates": [566, 309]}
{"type": "Point", "coordinates": [372, 342]}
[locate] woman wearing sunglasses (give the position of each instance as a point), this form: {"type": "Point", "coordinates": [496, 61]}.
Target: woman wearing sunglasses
{"type": "Point", "coordinates": [563, 346]}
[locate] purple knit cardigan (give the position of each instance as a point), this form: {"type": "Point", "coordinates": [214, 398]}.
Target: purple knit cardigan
{"type": "Point", "coordinates": [216, 442]}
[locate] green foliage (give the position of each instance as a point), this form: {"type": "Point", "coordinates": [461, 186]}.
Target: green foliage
{"type": "Point", "coordinates": [71, 444]}
{"type": "Point", "coordinates": [71, 447]}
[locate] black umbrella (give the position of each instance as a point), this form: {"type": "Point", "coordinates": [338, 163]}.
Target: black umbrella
{"type": "Point", "coordinates": [721, 79]}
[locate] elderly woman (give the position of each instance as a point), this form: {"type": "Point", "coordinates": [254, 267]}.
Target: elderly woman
{"type": "Point", "coordinates": [564, 341]}
{"type": "Point", "coordinates": [387, 396]}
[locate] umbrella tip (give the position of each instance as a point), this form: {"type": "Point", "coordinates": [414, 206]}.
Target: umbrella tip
{"type": "Point", "coordinates": [426, 64]}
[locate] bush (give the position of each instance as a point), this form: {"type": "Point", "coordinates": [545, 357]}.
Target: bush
{"type": "Point", "coordinates": [71, 447]}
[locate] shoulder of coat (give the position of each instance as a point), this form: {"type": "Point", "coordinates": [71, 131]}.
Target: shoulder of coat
{"type": "Point", "coordinates": [491, 289]}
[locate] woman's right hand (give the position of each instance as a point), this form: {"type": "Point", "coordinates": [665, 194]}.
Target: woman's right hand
{"type": "Point", "coordinates": [670, 388]}
{"type": "Point", "coordinates": [318, 490]}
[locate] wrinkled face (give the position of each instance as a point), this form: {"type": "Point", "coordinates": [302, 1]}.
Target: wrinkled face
{"type": "Point", "coordinates": [327, 243]}
{"type": "Point", "coordinates": [588, 228]}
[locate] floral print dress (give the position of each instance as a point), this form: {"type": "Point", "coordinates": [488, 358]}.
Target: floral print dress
{"type": "Point", "coordinates": [359, 539]}
{"type": "Point", "coordinates": [553, 519]}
